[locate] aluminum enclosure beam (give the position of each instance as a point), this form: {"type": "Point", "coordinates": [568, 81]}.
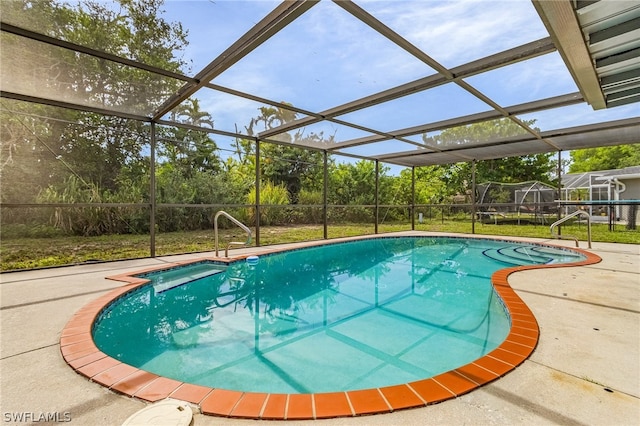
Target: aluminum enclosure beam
{"type": "Point", "coordinates": [278, 19]}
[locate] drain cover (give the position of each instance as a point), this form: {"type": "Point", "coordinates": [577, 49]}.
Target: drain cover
{"type": "Point", "coordinates": [166, 413]}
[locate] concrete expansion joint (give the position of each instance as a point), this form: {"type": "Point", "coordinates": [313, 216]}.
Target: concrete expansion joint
{"type": "Point", "coordinates": [29, 351]}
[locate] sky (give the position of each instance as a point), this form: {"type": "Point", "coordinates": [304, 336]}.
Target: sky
{"type": "Point", "coordinates": [327, 57]}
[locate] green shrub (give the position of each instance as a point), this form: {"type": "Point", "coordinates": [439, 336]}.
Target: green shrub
{"type": "Point", "coordinates": [95, 220]}
{"type": "Point", "coordinates": [270, 195]}
{"type": "Point", "coordinates": [309, 214]}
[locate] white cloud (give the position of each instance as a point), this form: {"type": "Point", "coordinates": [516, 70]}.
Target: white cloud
{"type": "Point", "coordinates": [455, 32]}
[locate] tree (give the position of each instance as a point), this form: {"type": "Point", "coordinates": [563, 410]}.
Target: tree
{"type": "Point", "coordinates": [29, 161]}
{"type": "Point", "coordinates": [271, 117]}
{"type": "Point", "coordinates": [353, 183]}
{"type": "Point", "coordinates": [193, 115]}
{"type": "Point", "coordinates": [96, 149]}
{"type": "Point", "coordinates": [457, 177]}
{"type": "Point", "coordinates": [292, 166]}
{"type": "Point", "coordinates": [429, 184]}
{"type": "Point", "coordinates": [187, 149]}
{"type": "Point", "coordinates": [604, 158]}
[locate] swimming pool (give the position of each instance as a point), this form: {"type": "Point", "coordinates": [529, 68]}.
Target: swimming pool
{"type": "Point", "coordinates": [366, 312]}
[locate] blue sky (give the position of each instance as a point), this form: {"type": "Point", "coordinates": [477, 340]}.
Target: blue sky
{"type": "Point", "coordinates": [327, 58]}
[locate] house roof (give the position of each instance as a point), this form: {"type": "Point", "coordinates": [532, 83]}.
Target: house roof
{"type": "Point", "coordinates": [582, 180]}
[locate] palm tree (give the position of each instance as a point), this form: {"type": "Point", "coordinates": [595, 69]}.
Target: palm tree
{"type": "Point", "coordinates": [194, 115]}
{"type": "Point", "coordinates": [189, 149]}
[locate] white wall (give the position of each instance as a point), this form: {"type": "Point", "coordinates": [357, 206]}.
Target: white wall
{"type": "Point", "coordinates": [632, 192]}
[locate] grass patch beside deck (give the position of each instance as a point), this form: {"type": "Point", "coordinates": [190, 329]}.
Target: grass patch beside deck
{"type": "Point", "coordinates": [34, 252]}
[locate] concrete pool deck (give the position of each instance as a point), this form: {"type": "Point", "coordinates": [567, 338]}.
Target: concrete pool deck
{"type": "Point", "coordinates": [584, 370]}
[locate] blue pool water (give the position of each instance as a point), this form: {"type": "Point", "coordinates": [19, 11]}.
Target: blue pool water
{"type": "Point", "coordinates": [337, 317]}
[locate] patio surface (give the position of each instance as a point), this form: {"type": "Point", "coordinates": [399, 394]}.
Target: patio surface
{"type": "Point", "coordinates": [585, 369]}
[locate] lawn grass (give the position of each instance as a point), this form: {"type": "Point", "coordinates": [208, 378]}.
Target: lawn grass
{"type": "Point", "coordinates": [29, 253]}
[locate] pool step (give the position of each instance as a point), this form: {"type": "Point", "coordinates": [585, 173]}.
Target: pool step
{"type": "Point", "coordinates": [518, 256]}
{"type": "Point", "coordinates": [180, 276]}
{"type": "Point", "coordinates": [558, 253]}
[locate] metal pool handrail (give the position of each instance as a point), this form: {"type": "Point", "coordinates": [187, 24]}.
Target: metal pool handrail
{"type": "Point", "coordinates": [564, 219]}
{"type": "Point", "coordinates": [231, 243]}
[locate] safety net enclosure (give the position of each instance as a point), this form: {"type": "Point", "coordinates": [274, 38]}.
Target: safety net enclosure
{"type": "Point", "coordinates": [146, 117]}
{"type": "Point", "coordinates": [524, 201]}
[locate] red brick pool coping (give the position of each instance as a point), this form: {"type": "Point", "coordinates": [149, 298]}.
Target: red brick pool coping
{"type": "Point", "coordinates": [80, 352]}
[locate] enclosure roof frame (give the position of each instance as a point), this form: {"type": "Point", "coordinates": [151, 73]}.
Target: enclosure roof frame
{"type": "Point", "coordinates": [587, 35]}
